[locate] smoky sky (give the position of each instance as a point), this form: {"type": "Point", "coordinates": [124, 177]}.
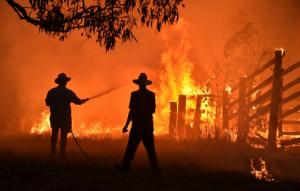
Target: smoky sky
{"type": "Point", "coordinates": [30, 61]}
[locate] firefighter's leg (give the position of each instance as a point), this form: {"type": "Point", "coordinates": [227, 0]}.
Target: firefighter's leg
{"type": "Point", "coordinates": [148, 141]}
{"type": "Point", "coordinates": [63, 141]}
{"type": "Point", "coordinates": [54, 136]}
{"type": "Point", "coordinates": [133, 143]}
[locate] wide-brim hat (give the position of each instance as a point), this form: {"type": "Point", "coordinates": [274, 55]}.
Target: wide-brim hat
{"type": "Point", "coordinates": [142, 80]}
{"type": "Point", "coordinates": [62, 78]}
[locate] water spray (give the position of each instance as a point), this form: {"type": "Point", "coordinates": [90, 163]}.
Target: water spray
{"type": "Point", "coordinates": [104, 92]}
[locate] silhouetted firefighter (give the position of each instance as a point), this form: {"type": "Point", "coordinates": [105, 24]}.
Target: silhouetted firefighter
{"type": "Point", "coordinates": [142, 106]}
{"type": "Point", "coordinates": [59, 100]}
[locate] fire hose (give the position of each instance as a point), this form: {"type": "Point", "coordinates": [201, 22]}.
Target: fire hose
{"type": "Point", "coordinates": [80, 148]}
{"type": "Point", "coordinates": [74, 136]}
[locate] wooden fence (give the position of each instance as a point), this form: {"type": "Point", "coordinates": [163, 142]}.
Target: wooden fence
{"type": "Point", "coordinates": [247, 103]}
{"type": "Point", "coordinates": [271, 102]}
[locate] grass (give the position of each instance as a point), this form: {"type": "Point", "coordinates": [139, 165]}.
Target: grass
{"type": "Point", "coordinates": [201, 165]}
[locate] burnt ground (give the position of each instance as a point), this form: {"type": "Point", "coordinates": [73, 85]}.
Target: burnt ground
{"type": "Point", "coordinates": [202, 165]}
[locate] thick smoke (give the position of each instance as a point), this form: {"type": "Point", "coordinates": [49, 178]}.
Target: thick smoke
{"type": "Point", "coordinates": [30, 61]}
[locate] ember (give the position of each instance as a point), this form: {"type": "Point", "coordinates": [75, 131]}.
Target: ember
{"type": "Point", "coordinates": [262, 172]}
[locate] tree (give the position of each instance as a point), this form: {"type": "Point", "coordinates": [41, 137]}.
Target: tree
{"type": "Point", "coordinates": [107, 20]}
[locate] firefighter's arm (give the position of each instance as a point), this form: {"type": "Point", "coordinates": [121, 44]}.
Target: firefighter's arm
{"type": "Point", "coordinates": [84, 100]}
{"type": "Point", "coordinates": [75, 99]}
{"type": "Point", "coordinates": [79, 101]}
{"type": "Point", "coordinates": [125, 129]}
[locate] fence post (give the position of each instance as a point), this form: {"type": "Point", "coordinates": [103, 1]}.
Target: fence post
{"type": "Point", "coordinates": [275, 99]}
{"type": "Point", "coordinates": [173, 118]}
{"type": "Point", "coordinates": [181, 115]}
{"type": "Point", "coordinates": [280, 130]}
{"type": "Point", "coordinates": [243, 113]}
{"type": "Point", "coordinates": [197, 115]}
{"type": "Point", "coordinates": [225, 110]}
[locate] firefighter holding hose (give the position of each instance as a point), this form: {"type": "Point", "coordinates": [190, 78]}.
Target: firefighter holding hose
{"type": "Point", "coordinates": [59, 100]}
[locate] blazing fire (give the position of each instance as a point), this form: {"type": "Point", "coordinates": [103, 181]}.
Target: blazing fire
{"type": "Point", "coordinates": [43, 125]}
{"type": "Point", "coordinates": [176, 79]}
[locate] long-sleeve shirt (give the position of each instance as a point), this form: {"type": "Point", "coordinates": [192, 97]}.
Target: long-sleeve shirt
{"type": "Point", "coordinates": [59, 100]}
{"type": "Point", "coordinates": [142, 106]}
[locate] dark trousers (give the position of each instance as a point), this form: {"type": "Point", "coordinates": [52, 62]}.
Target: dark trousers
{"type": "Point", "coordinates": [135, 137]}
{"type": "Point", "coordinates": [63, 140]}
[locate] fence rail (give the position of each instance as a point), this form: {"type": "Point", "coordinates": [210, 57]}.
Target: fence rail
{"type": "Point", "coordinates": [251, 103]}
{"type": "Point", "coordinates": [270, 102]}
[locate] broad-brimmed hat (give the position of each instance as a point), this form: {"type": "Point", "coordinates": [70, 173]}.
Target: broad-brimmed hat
{"type": "Point", "coordinates": [62, 78]}
{"type": "Point", "coordinates": [142, 80]}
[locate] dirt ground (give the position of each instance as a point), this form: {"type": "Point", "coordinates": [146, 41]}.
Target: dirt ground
{"type": "Point", "coordinates": [201, 165]}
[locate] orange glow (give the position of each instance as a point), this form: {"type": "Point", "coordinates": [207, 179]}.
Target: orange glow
{"type": "Point", "coordinates": [175, 79]}
{"type": "Point", "coordinates": [180, 60]}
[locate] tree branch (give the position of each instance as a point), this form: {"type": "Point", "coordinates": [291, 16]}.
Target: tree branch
{"type": "Point", "coordinates": [22, 13]}
{"type": "Point", "coordinates": [108, 22]}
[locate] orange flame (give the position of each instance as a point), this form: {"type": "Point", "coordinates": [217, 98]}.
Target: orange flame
{"type": "Point", "coordinates": [94, 130]}
{"type": "Point", "coordinates": [176, 79]}
{"type": "Point", "coordinates": [43, 125]}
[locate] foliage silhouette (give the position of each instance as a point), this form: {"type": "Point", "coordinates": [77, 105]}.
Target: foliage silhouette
{"type": "Point", "coordinates": [108, 21]}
